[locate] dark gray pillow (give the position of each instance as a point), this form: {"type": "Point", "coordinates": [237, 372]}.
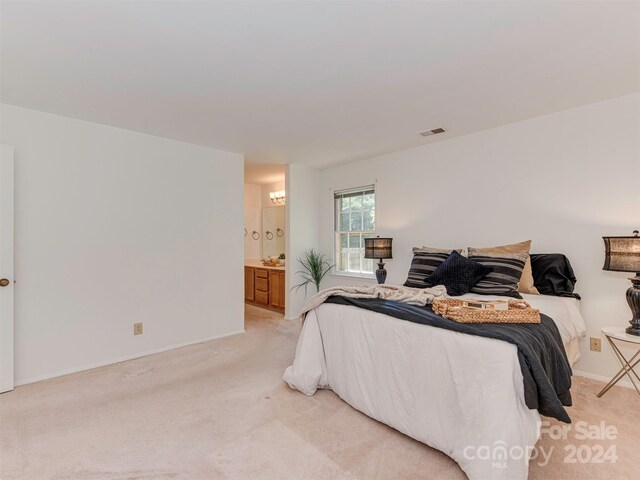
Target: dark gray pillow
{"type": "Point", "coordinates": [505, 275]}
{"type": "Point", "coordinates": [553, 275]}
{"type": "Point", "coordinates": [424, 264]}
{"type": "Point", "coordinates": [458, 274]}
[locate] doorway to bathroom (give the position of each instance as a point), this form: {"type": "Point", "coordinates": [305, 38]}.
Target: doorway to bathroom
{"type": "Point", "coordinates": [264, 239]}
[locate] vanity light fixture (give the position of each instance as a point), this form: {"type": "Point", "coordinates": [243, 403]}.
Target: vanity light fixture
{"type": "Point", "coordinates": [278, 198]}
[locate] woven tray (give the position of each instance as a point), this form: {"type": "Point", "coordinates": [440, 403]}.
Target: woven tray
{"type": "Point", "coordinates": [519, 312]}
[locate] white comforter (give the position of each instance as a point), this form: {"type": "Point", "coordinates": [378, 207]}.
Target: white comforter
{"type": "Point", "coordinates": [459, 393]}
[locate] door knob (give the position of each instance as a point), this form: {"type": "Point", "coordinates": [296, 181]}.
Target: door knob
{"type": "Point", "coordinates": [4, 282]}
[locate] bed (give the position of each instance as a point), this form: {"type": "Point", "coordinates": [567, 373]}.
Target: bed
{"type": "Point", "coordinates": [461, 394]}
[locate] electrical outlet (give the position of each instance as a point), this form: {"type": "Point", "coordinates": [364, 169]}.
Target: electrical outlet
{"type": "Point", "coordinates": [596, 344]}
{"type": "Point", "coordinates": [137, 328]}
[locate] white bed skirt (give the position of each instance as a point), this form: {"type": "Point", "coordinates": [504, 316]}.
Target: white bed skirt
{"type": "Point", "coordinates": [460, 394]}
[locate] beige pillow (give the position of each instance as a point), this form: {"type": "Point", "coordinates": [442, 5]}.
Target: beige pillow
{"type": "Point", "coordinates": [433, 250]}
{"type": "Point", "coordinates": [526, 281]}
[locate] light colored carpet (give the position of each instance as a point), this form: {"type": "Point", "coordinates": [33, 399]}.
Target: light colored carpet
{"type": "Point", "coordinates": [220, 410]}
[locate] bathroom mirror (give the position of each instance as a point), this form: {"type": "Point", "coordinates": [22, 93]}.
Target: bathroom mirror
{"type": "Point", "coordinates": [272, 231]}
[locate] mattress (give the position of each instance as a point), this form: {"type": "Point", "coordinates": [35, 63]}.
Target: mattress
{"type": "Point", "coordinates": [455, 392]}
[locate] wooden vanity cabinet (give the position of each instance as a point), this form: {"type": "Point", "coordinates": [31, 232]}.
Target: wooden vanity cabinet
{"type": "Point", "coordinates": [249, 285]}
{"type": "Point", "coordinates": [277, 289]}
{"type": "Point", "coordinates": [261, 292]}
{"type": "Point", "coordinates": [265, 287]}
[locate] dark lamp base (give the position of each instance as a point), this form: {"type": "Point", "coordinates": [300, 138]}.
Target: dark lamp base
{"type": "Point", "coordinates": [381, 273]}
{"type": "Point", "coordinates": [633, 299]}
{"type": "Point", "coordinates": [633, 330]}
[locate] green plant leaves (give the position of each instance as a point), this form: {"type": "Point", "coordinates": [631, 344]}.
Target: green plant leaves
{"type": "Point", "coordinates": [314, 268]}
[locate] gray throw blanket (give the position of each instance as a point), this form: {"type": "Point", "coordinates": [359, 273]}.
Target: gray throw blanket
{"type": "Point", "coordinates": [396, 293]}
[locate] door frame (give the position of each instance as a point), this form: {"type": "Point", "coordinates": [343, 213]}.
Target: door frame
{"type": "Point", "coordinates": [6, 268]}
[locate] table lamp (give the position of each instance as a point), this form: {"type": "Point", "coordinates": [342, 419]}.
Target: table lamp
{"type": "Point", "coordinates": [379, 249]}
{"type": "Point", "coordinates": [622, 254]}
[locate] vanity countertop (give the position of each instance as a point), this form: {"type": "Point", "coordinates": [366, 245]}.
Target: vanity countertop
{"type": "Point", "coordinates": [256, 263]}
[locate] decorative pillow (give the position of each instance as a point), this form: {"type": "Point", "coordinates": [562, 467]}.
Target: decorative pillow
{"type": "Point", "coordinates": [424, 263]}
{"type": "Point", "coordinates": [503, 279]}
{"type": "Point", "coordinates": [553, 275]}
{"type": "Point", "coordinates": [462, 251]}
{"type": "Point", "coordinates": [526, 281]}
{"type": "Point", "coordinates": [458, 274]}
{"type": "Point", "coordinates": [435, 250]}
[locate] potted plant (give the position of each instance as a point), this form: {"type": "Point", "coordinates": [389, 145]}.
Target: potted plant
{"type": "Point", "coordinates": [314, 268]}
{"type": "Point", "coordinates": [281, 259]}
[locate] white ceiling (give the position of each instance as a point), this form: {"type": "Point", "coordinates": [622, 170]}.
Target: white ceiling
{"type": "Point", "coordinates": [315, 83]}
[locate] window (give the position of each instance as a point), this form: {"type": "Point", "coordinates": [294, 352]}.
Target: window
{"type": "Point", "coordinates": [355, 216]}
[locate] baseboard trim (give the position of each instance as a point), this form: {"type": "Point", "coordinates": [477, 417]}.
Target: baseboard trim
{"type": "Point", "coordinates": [623, 382]}
{"type": "Point", "coordinates": [122, 359]}
{"type": "Point", "coordinates": [580, 373]}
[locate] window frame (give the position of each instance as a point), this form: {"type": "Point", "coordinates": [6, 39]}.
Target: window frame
{"type": "Point", "coordinates": [337, 231]}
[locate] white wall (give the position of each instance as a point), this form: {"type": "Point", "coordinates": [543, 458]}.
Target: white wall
{"type": "Point", "coordinates": [115, 227]}
{"type": "Point", "coordinates": [562, 180]}
{"type": "Point", "coordinates": [252, 220]}
{"type": "Point", "coordinates": [301, 232]}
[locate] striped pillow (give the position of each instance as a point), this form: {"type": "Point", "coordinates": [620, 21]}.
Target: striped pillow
{"type": "Point", "coordinates": [505, 276]}
{"type": "Point", "coordinates": [424, 263]}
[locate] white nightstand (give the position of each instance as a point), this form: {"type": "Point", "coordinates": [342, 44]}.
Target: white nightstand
{"type": "Point", "coordinates": [618, 334]}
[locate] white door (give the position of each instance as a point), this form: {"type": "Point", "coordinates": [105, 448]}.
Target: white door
{"type": "Point", "coordinates": [6, 268]}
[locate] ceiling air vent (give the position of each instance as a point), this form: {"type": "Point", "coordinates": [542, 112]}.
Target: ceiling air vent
{"type": "Point", "coordinates": [435, 131]}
